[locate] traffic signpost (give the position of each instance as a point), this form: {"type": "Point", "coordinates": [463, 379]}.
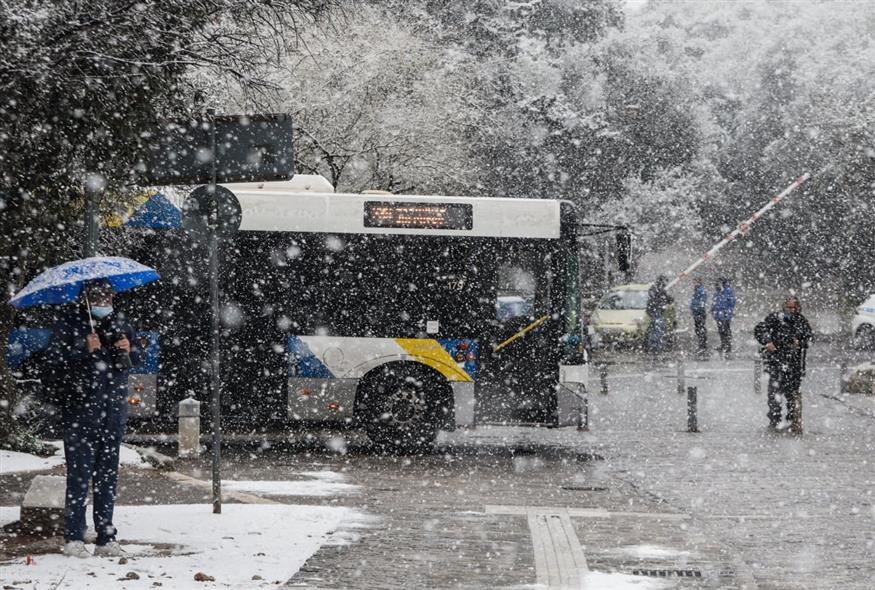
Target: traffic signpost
{"type": "Point", "coordinates": [207, 151]}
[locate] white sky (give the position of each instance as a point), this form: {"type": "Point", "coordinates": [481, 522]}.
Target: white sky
{"type": "Point", "coordinates": [635, 5]}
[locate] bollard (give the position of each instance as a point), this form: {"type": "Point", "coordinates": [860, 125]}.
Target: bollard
{"type": "Point", "coordinates": [757, 375]}
{"type": "Point", "coordinates": [603, 377]}
{"type": "Point", "coordinates": [796, 426]}
{"type": "Point", "coordinates": [189, 428]}
{"type": "Point", "coordinates": [583, 417]}
{"type": "Point", "coordinates": [692, 402]}
{"type": "Point", "coordinates": [682, 380]}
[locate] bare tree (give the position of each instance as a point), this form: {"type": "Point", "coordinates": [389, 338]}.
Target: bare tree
{"type": "Point", "coordinates": [80, 81]}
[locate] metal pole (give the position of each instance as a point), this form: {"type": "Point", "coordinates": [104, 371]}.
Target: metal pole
{"type": "Point", "coordinates": [796, 427]}
{"type": "Point", "coordinates": [742, 229]}
{"type": "Point", "coordinates": [692, 403]}
{"type": "Point", "coordinates": [215, 382]}
{"type": "Point", "coordinates": [682, 381]}
{"type": "Point", "coordinates": [603, 377]}
{"type": "Point", "coordinates": [583, 417]}
{"type": "Point", "coordinates": [757, 375]}
{"type": "Point", "coordinates": [93, 188]}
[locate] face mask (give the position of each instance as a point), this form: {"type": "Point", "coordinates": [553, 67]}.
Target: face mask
{"type": "Point", "coordinates": [101, 311]}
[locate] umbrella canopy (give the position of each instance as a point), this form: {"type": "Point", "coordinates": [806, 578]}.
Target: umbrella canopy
{"type": "Point", "coordinates": [62, 284]}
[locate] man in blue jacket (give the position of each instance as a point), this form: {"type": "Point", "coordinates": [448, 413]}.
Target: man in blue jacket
{"type": "Point", "coordinates": [92, 350]}
{"type": "Point", "coordinates": [699, 310]}
{"type": "Point", "coordinates": [723, 308]}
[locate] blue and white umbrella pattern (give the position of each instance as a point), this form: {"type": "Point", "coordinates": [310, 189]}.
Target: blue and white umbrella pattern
{"type": "Point", "coordinates": [63, 283]}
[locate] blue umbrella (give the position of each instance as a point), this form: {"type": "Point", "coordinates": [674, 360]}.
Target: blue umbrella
{"type": "Point", "coordinates": [62, 284]}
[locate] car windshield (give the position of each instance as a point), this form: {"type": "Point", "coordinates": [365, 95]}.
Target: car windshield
{"type": "Point", "coordinates": [624, 300]}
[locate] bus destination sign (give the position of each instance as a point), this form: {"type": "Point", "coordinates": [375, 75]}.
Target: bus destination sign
{"type": "Point", "coordinates": [409, 215]}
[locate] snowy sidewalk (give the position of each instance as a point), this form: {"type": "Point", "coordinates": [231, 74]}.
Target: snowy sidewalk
{"type": "Point", "coordinates": [166, 525]}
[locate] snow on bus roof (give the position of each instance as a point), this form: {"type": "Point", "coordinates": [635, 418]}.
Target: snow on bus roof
{"type": "Point", "coordinates": [272, 208]}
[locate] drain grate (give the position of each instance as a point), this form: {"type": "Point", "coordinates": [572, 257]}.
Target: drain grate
{"type": "Point", "coordinates": [585, 488]}
{"type": "Point", "coordinates": [668, 573]}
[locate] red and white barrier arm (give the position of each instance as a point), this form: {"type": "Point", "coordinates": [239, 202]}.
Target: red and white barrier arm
{"type": "Point", "coordinates": [741, 230]}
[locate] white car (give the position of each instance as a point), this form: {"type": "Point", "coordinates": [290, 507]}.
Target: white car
{"type": "Point", "coordinates": [863, 325]}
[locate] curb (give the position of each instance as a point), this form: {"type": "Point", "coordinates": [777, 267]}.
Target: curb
{"type": "Point", "coordinates": [154, 458]}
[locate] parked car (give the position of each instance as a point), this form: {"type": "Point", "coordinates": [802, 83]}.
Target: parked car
{"type": "Point", "coordinates": [620, 317]}
{"type": "Point", "coordinates": [863, 325]}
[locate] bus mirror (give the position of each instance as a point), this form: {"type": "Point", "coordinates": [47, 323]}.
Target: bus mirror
{"type": "Point", "coordinates": [624, 250]}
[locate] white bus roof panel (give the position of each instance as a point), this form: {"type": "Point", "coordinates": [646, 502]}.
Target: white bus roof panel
{"type": "Point", "coordinates": [265, 209]}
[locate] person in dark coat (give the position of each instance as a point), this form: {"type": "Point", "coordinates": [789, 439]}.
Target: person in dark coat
{"type": "Point", "coordinates": [784, 336]}
{"type": "Point", "coordinates": [723, 309]}
{"type": "Point", "coordinates": [658, 301]}
{"type": "Point", "coordinates": [699, 310]}
{"type": "Point", "coordinates": [91, 352]}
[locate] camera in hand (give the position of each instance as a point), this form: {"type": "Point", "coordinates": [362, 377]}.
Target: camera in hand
{"type": "Point", "coordinates": [120, 358]}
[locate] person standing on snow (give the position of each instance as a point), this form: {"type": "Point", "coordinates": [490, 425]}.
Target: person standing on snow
{"type": "Point", "coordinates": [699, 310]}
{"type": "Point", "coordinates": [785, 336]}
{"type": "Point", "coordinates": [723, 308]}
{"type": "Point", "coordinates": [657, 302]}
{"type": "Point", "coordinates": [92, 351]}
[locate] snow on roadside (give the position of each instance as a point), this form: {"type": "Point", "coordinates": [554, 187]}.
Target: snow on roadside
{"type": "Point", "coordinates": [653, 552]}
{"type": "Point", "coordinates": [323, 483]}
{"type": "Point", "coordinates": [616, 581]}
{"type": "Point", "coordinates": [270, 541]}
{"type": "Point", "coordinates": [15, 462]}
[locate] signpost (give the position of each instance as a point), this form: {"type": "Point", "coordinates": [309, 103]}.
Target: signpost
{"type": "Point", "coordinates": [214, 149]}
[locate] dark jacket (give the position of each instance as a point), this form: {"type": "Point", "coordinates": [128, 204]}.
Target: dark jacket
{"type": "Point", "coordinates": [81, 378]}
{"type": "Point", "coordinates": [657, 301]}
{"type": "Point", "coordinates": [699, 302]}
{"type": "Point", "coordinates": [782, 330]}
{"type": "Point", "coordinates": [723, 304]}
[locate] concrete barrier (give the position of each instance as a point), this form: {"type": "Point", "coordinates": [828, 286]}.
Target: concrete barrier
{"type": "Point", "coordinates": [42, 509]}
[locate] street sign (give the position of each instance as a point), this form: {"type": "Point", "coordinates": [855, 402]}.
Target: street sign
{"type": "Point", "coordinates": [212, 207]}
{"type": "Point", "coordinates": [248, 148]}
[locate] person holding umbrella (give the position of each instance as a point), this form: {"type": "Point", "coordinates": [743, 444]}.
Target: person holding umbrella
{"type": "Point", "coordinates": [92, 350]}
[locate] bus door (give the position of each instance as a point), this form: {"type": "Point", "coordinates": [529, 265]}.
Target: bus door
{"type": "Point", "coordinates": [519, 362]}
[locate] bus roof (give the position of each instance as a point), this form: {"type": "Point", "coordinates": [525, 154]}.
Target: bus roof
{"type": "Point", "coordinates": [272, 208]}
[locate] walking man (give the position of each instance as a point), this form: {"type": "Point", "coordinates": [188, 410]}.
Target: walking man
{"type": "Point", "coordinates": [785, 336]}
{"type": "Point", "coordinates": [92, 350]}
{"type": "Point", "coordinates": [699, 310]}
{"type": "Point", "coordinates": [723, 308]}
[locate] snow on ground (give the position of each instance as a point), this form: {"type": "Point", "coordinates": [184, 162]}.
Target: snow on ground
{"type": "Point", "coordinates": [15, 462]}
{"type": "Point", "coordinates": [653, 552]}
{"type": "Point", "coordinates": [615, 581]}
{"type": "Point", "coordinates": [323, 483]}
{"type": "Point", "coordinates": [270, 541]}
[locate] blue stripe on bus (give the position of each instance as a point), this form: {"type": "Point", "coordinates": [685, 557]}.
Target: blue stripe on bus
{"type": "Point", "coordinates": [462, 348]}
{"type": "Point", "coordinates": [151, 353]}
{"type": "Point", "coordinates": [24, 342]}
{"type": "Point", "coordinates": [303, 363]}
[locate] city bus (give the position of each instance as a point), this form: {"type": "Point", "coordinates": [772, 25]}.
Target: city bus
{"type": "Point", "coordinates": [401, 314]}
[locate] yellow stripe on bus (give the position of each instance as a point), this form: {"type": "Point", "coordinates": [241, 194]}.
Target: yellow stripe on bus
{"type": "Point", "coordinates": [430, 352]}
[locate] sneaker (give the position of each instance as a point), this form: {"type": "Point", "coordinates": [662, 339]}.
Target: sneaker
{"type": "Point", "coordinates": [111, 549]}
{"type": "Point", "coordinates": [76, 549]}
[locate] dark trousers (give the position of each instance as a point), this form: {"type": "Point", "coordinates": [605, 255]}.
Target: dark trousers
{"type": "Point", "coordinates": [724, 329]}
{"type": "Point", "coordinates": [701, 331]}
{"type": "Point", "coordinates": [786, 384]}
{"type": "Point", "coordinates": [92, 439]}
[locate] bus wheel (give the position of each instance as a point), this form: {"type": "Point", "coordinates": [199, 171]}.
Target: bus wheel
{"type": "Point", "coordinates": [393, 405]}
